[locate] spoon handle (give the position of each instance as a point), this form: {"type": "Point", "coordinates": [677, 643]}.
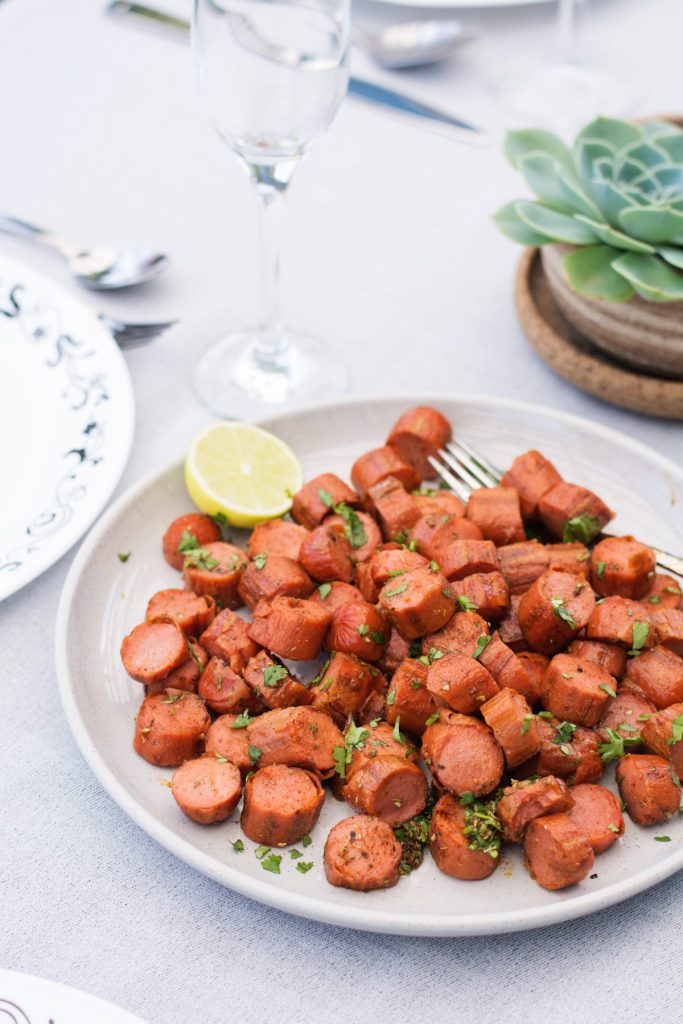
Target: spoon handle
{"type": "Point", "coordinates": [14, 226]}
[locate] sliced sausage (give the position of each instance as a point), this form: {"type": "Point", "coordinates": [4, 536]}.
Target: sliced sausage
{"type": "Point", "coordinates": [389, 787]}
{"type": "Point", "coordinates": [408, 698]}
{"type": "Point", "coordinates": [658, 675]}
{"type": "Point", "coordinates": [523, 801]}
{"type": "Point", "coordinates": [277, 537]}
{"type": "Point", "coordinates": [613, 620]}
{"type": "Point", "coordinates": [505, 667]}
{"type": "Point", "coordinates": [597, 815]}
{"type": "Point", "coordinates": [664, 592]}
{"type": "Point", "coordinates": [377, 465]}
{"type": "Point", "coordinates": [607, 656]}
{"type": "Point", "coordinates": [290, 627]}
{"type": "Point", "coordinates": [557, 854]}
{"type": "Point", "coordinates": [461, 558]}
{"type": "Point", "coordinates": [396, 509]}
{"type": "Point", "coordinates": [379, 740]}
{"type": "Point", "coordinates": [224, 691]}
{"type": "Point", "coordinates": [565, 503]}
{"type": "Point", "coordinates": [662, 735]}
{"type": "Point", "coordinates": [668, 623]}
{"type": "Point", "coordinates": [366, 585]}
{"type": "Point", "coordinates": [511, 721]}
{"type": "Point", "coordinates": [509, 629]}
{"type": "Point", "coordinates": [432, 532]}
{"type": "Point", "coordinates": [418, 602]}
{"type": "Point", "coordinates": [496, 511]}
{"type": "Point", "coordinates": [344, 685]}
{"type": "Point", "coordinates": [186, 676]}
{"type": "Point", "coordinates": [186, 532]}
{"type": "Point", "coordinates": [395, 652]}
{"type": "Point", "coordinates": [362, 549]}
{"type": "Point", "coordinates": [623, 566]}
{"type": "Point", "coordinates": [228, 638]}
{"type": "Point", "coordinates": [301, 737]}
{"type": "Point", "coordinates": [463, 755]}
{"type": "Point", "coordinates": [227, 737]}
{"type": "Point", "coordinates": [532, 476]}
{"type": "Point", "coordinates": [450, 845]}
{"type": "Point", "coordinates": [216, 569]}
{"type": "Point", "coordinates": [554, 610]}
{"type": "Point", "coordinates": [326, 554]}
{"type": "Point", "coordinates": [171, 728]}
{"type": "Point", "coordinates": [460, 635]}
{"type": "Point", "coordinates": [534, 666]}
{"type": "Point", "coordinates": [418, 434]}
{"type": "Point", "coordinates": [438, 503]}
{"type": "Point", "coordinates": [485, 592]}
{"type": "Point", "coordinates": [281, 805]}
{"type": "Point", "coordinates": [152, 650]}
{"type": "Point", "coordinates": [575, 690]}
{"type": "Point", "coordinates": [392, 563]}
{"type": "Point", "coordinates": [271, 576]}
{"type": "Point", "coordinates": [193, 612]}
{"type": "Point", "coordinates": [274, 686]}
{"type": "Point", "coordinates": [572, 557]}
{"type": "Point", "coordinates": [625, 716]}
{"type": "Point", "coordinates": [567, 751]}
{"type": "Point", "coordinates": [362, 853]}
{"type": "Point", "coordinates": [648, 788]}
{"type": "Point", "coordinates": [335, 594]}
{"type": "Point", "coordinates": [461, 682]}
{"type": "Point", "coordinates": [357, 628]}
{"type": "Point", "coordinates": [522, 564]}
{"type": "Point", "coordinates": [315, 499]}
{"type": "Point", "coordinates": [207, 789]}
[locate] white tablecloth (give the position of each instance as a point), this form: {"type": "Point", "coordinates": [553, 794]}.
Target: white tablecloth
{"type": "Point", "coordinates": [391, 255]}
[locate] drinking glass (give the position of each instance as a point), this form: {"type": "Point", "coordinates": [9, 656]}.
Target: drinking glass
{"type": "Point", "coordinates": [569, 86]}
{"type": "Point", "coordinates": [273, 74]}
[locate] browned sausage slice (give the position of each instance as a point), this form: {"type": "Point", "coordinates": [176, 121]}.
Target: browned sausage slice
{"type": "Point", "coordinates": [567, 751]}
{"type": "Point", "coordinates": [270, 576]}
{"type": "Point", "coordinates": [648, 788]}
{"type": "Point", "coordinates": [409, 699]}
{"type": "Point", "coordinates": [281, 805]}
{"type": "Point", "coordinates": [573, 558]}
{"type": "Point", "coordinates": [396, 510]}
{"type": "Point", "coordinates": [193, 612]}
{"type": "Point", "coordinates": [534, 666]}
{"type": "Point", "coordinates": [224, 691]}
{"type": "Point", "coordinates": [301, 737]}
{"type": "Point", "coordinates": [362, 853]}
{"type": "Point", "coordinates": [207, 789]}
{"type": "Point", "coordinates": [228, 638]}
{"type": "Point", "coordinates": [313, 502]}
{"type": "Point", "coordinates": [227, 737]}
{"type": "Point", "coordinates": [438, 503]}
{"type": "Point", "coordinates": [607, 656]}
{"type": "Point", "coordinates": [185, 533]}
{"type": "Point", "coordinates": [658, 675]}
{"type": "Point", "coordinates": [496, 511]}
{"type": "Point", "coordinates": [463, 755]}
{"type": "Point", "coordinates": [152, 650]}
{"type": "Point", "coordinates": [419, 433]}
{"type": "Point", "coordinates": [359, 629]}
{"type": "Point", "coordinates": [506, 667]}
{"type": "Point", "coordinates": [392, 563]}
{"type": "Point", "coordinates": [485, 592]}
{"type": "Point", "coordinates": [290, 627]}
{"type": "Point", "coordinates": [450, 846]}
{"type": "Point", "coordinates": [668, 623]}
{"type": "Point", "coordinates": [665, 592]}
{"type": "Point", "coordinates": [216, 569]}
{"type": "Point", "coordinates": [395, 652]}
{"type": "Point", "coordinates": [171, 728]}
{"type": "Point", "coordinates": [661, 732]}
{"type": "Point", "coordinates": [618, 620]}
{"type": "Point", "coordinates": [597, 815]}
{"type": "Point", "coordinates": [510, 719]}
{"type": "Point", "coordinates": [326, 554]}
{"type": "Point", "coordinates": [532, 475]}
{"type": "Point", "coordinates": [389, 786]}
{"type": "Point", "coordinates": [378, 464]}
{"type": "Point", "coordinates": [557, 853]}
{"type": "Point", "coordinates": [461, 635]}
{"type": "Point", "coordinates": [186, 676]}
{"type": "Point", "coordinates": [461, 558]}
{"type": "Point", "coordinates": [576, 691]}
{"type": "Point", "coordinates": [623, 566]}
{"type": "Point", "coordinates": [625, 715]}
{"type": "Point", "coordinates": [277, 537]}
{"type": "Point", "coordinates": [554, 610]}
{"type": "Point", "coordinates": [522, 564]}
{"type": "Point", "coordinates": [335, 594]}
{"type": "Point", "coordinates": [523, 801]}
{"type": "Point", "coordinates": [273, 684]}
{"type": "Point", "coordinates": [461, 682]}
{"type": "Point", "coordinates": [566, 502]}
{"type": "Point", "coordinates": [344, 685]}
{"type": "Point", "coordinates": [418, 602]}
{"type": "Point", "coordinates": [435, 531]}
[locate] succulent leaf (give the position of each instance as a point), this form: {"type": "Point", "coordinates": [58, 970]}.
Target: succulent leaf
{"type": "Point", "coordinates": [648, 154]}
{"type": "Point", "coordinates": [590, 272]}
{"type": "Point", "coordinates": [650, 277]}
{"type": "Point", "coordinates": [542, 174]}
{"type": "Point", "coordinates": [618, 134]}
{"type": "Point", "coordinates": [672, 255]}
{"type": "Point", "coordinates": [532, 140]}
{"type": "Point", "coordinates": [508, 221]}
{"type": "Point", "coordinates": [555, 226]}
{"type": "Point", "coordinates": [651, 224]}
{"type": "Point", "coordinates": [660, 129]}
{"type": "Point", "coordinates": [617, 239]}
{"type": "Point", "coordinates": [673, 144]}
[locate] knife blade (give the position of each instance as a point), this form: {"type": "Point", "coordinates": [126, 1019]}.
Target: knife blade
{"type": "Point", "coordinates": [370, 92]}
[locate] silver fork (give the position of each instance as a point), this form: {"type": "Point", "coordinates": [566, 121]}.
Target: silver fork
{"type": "Point", "coordinates": [128, 335]}
{"type": "Point", "coordinates": [465, 470]}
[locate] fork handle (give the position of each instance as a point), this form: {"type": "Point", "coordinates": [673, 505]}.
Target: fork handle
{"type": "Point", "coordinates": [665, 560]}
{"type": "Point", "coordinates": [14, 226]}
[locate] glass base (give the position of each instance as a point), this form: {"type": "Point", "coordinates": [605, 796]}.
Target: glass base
{"type": "Point", "coordinates": [562, 96]}
{"type": "Point", "coordinates": [235, 383]}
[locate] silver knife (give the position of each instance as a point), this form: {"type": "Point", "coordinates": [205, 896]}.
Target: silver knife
{"type": "Point", "coordinates": [371, 92]}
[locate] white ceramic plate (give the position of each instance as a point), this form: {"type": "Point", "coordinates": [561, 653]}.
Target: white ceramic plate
{"type": "Point", "coordinates": [66, 421]}
{"type": "Point", "coordinates": [461, 3]}
{"type": "Point", "coordinates": [103, 599]}
{"type": "Point", "coordinates": [25, 999]}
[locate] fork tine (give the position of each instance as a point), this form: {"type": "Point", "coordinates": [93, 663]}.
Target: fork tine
{"type": "Point", "coordinates": [495, 473]}
{"type": "Point", "coordinates": [457, 486]}
{"type": "Point", "coordinates": [461, 471]}
{"type": "Point", "coordinates": [482, 475]}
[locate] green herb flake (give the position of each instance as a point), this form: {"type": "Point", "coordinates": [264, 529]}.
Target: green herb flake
{"type": "Point", "coordinates": [261, 559]}
{"type": "Point", "coordinates": [662, 839]}
{"type": "Point", "coordinates": [242, 721]}
{"type": "Point", "coordinates": [544, 714]}
{"type": "Point", "coordinates": [672, 590]}
{"type": "Point", "coordinates": [272, 863]}
{"type": "Point", "coordinates": [295, 854]}
{"type": "Point", "coordinates": [219, 757]}
{"type": "Point", "coordinates": [434, 566]}
{"type": "Point", "coordinates": [397, 734]}
{"type": "Point", "coordinates": [655, 599]}
{"type": "Point", "coordinates": [616, 745]}
{"type": "Point", "coordinates": [401, 537]}
{"type": "Point", "coordinates": [600, 570]}
{"type": "Point", "coordinates": [583, 556]}
{"type": "Point", "coordinates": [377, 637]}
{"type": "Point", "coordinates": [415, 684]}
{"type": "Point", "coordinates": [220, 519]}
{"type": "Point", "coordinates": [581, 528]}
{"type": "Point", "coordinates": [391, 697]}
{"type": "Point", "coordinates": [326, 497]}
{"type": "Point", "coordinates": [397, 572]}
{"type": "Point", "coordinates": [261, 851]}
{"type": "Point", "coordinates": [188, 542]}
{"type": "Point", "coordinates": [413, 836]}
{"type": "Point", "coordinates": [238, 846]}
{"type": "Point", "coordinates": [526, 722]}
{"type": "Point", "coordinates": [170, 698]}
{"type": "Point", "coordinates": [324, 590]}
{"type": "Point", "coordinates": [353, 527]}
{"type": "Point", "coordinates": [562, 613]}
{"type": "Point", "coordinates": [354, 739]}
{"type": "Point", "coordinates": [607, 689]}
{"type": "Point", "coordinates": [432, 719]}
{"type": "Point", "coordinates": [199, 558]}
{"type": "Point", "coordinates": [363, 630]}
{"type": "Point", "coordinates": [643, 718]}
{"type": "Point", "coordinates": [564, 733]}
{"type": "Point", "coordinates": [641, 632]}
{"type": "Point", "coordinates": [676, 731]}
{"type": "Point", "coordinates": [124, 556]}
{"type": "Point", "coordinates": [396, 591]}
{"type": "Point", "coordinates": [254, 755]}
{"type": "Point", "coordinates": [304, 865]}
{"type": "Point", "coordinates": [612, 827]}
{"type": "Point", "coordinates": [306, 842]}
{"type": "Point", "coordinates": [412, 545]}
{"type": "Point", "coordinates": [467, 798]}
{"type": "Point", "coordinates": [273, 674]}
{"type": "Point", "coordinates": [482, 644]}
{"type": "Point", "coordinates": [467, 605]}
{"type": "Point", "coordinates": [482, 827]}
{"type": "Point", "coordinates": [424, 660]}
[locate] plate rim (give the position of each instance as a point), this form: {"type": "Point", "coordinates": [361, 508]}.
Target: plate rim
{"type": "Point", "coordinates": [15, 581]}
{"type": "Point", "coordinates": [89, 999]}
{"type": "Point", "coordinates": [312, 907]}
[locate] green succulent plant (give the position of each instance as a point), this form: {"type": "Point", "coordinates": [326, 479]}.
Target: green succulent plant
{"type": "Point", "coordinates": [616, 196]}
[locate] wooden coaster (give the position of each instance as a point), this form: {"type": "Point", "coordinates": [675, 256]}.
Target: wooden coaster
{"type": "Point", "coordinates": [577, 360]}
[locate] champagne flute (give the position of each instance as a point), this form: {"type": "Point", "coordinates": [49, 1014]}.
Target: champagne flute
{"type": "Point", "coordinates": [273, 74]}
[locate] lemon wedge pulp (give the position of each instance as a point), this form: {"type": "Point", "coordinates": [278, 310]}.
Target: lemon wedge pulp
{"type": "Point", "coordinates": [242, 471]}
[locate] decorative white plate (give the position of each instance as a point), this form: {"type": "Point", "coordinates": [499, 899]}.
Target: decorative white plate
{"type": "Point", "coordinates": [25, 999]}
{"type": "Point", "coordinates": [66, 421]}
{"type": "Point", "coordinates": [103, 599]}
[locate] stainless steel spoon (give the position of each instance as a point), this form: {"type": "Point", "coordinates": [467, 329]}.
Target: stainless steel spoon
{"type": "Point", "coordinates": [102, 269]}
{"type": "Point", "coordinates": [414, 43]}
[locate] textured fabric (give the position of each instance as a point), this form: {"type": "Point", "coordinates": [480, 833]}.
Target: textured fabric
{"type": "Point", "coordinates": [390, 253]}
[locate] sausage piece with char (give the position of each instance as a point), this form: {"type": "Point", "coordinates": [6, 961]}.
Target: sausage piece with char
{"type": "Point", "coordinates": [575, 690]}
{"type": "Point", "coordinates": [216, 569]}
{"type": "Point", "coordinates": [662, 734]}
{"type": "Point", "coordinates": [273, 685]}
{"type": "Point", "coordinates": [362, 853]}
{"type": "Point", "coordinates": [344, 685]}
{"type": "Point", "coordinates": [326, 554]}
{"type": "Point", "coordinates": [463, 755]}
{"type": "Point", "coordinates": [270, 576]}
{"type": "Point", "coordinates": [511, 721]}
{"type": "Point", "coordinates": [565, 502]}
{"type": "Point", "coordinates": [418, 602]}
{"type": "Point", "coordinates": [388, 786]}
{"type": "Point", "coordinates": [228, 638]}
{"type": "Point", "coordinates": [365, 538]}
{"type": "Point", "coordinates": [152, 650]}
{"type": "Point", "coordinates": [277, 537]}
{"type": "Point", "coordinates": [418, 434]}
{"type": "Point", "coordinates": [227, 738]}
{"type": "Point", "coordinates": [622, 566]}
{"type": "Point", "coordinates": [597, 815]}
{"type": "Point", "coordinates": [377, 465]}
{"type": "Point", "coordinates": [485, 592]}
{"type": "Point", "coordinates": [522, 564]}
{"type": "Point", "coordinates": [207, 789]}
{"type": "Point", "coordinates": [557, 853]}
{"type": "Point", "coordinates": [396, 510]}
{"type": "Point", "coordinates": [525, 800]}
{"type": "Point", "coordinates": [450, 845]}
{"type": "Point", "coordinates": [613, 622]}
{"type": "Point", "coordinates": [658, 675]}
{"type": "Point", "coordinates": [607, 656]}
{"type": "Point", "coordinates": [313, 502]}
{"type": "Point", "coordinates": [290, 627]}
{"type": "Point", "coordinates": [647, 788]}
{"type": "Point", "coordinates": [281, 805]}
{"type": "Point", "coordinates": [496, 511]}
{"type": "Point", "coordinates": [171, 728]}
{"type": "Point", "coordinates": [409, 699]}
{"type": "Point", "coordinates": [357, 628]}
{"type": "Point", "coordinates": [532, 476]}
{"type": "Point", "coordinates": [554, 609]}
{"type": "Point", "coordinates": [193, 612]}
{"type": "Point", "coordinates": [224, 691]}
{"type": "Point", "coordinates": [302, 737]}
{"type": "Point", "coordinates": [459, 681]}
{"type": "Point", "coordinates": [186, 532]}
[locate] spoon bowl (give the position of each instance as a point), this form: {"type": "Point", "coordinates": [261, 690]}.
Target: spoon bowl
{"type": "Point", "coordinates": [414, 44]}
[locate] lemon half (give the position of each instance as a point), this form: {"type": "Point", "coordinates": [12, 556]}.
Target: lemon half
{"type": "Point", "coordinates": [242, 471]}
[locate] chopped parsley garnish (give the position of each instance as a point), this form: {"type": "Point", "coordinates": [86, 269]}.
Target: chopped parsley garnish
{"type": "Point", "coordinates": [242, 721]}
{"type": "Point", "coordinates": [306, 842]}
{"type": "Point", "coordinates": [466, 604]}
{"type": "Point", "coordinates": [391, 697]}
{"type": "Point", "coordinates": [672, 590]}
{"type": "Point", "coordinates": [220, 758]}
{"type": "Point", "coordinates": [616, 745]}
{"type": "Point", "coordinates": [377, 637]}
{"type": "Point", "coordinates": [324, 590]}
{"type": "Point", "coordinates": [170, 698]}
{"type": "Point", "coordinates": [396, 591]}
{"type": "Point", "coordinates": [401, 537]}
{"type": "Point", "coordinates": [544, 714]}
{"type": "Point", "coordinates": [564, 733]}
{"type": "Point", "coordinates": [199, 558]}
{"type": "Point", "coordinates": [220, 519]}
{"type": "Point", "coordinates": [641, 631]}
{"type": "Point", "coordinates": [561, 612]}
{"type": "Point", "coordinates": [354, 739]}
{"type": "Point", "coordinates": [254, 755]}
{"type": "Point", "coordinates": [608, 689]}
{"type": "Point", "coordinates": [581, 528]}
{"type": "Point", "coordinates": [467, 798]}
{"type": "Point", "coordinates": [272, 674]}
{"type": "Point", "coordinates": [272, 863]}
{"type": "Point", "coordinates": [482, 827]}
{"type": "Point", "coordinates": [662, 839]}
{"type": "Point", "coordinates": [435, 654]}
{"type": "Point", "coordinates": [363, 630]}
{"type": "Point", "coordinates": [261, 851]}
{"type": "Point", "coordinates": [612, 827]}
{"type": "Point", "coordinates": [482, 644]}
{"type": "Point", "coordinates": [397, 734]}
{"type": "Point", "coordinates": [353, 527]}
{"type": "Point", "coordinates": [655, 599]}
{"type": "Point", "coordinates": [304, 865]}
{"type": "Point", "coordinates": [600, 570]}
{"type": "Point", "coordinates": [413, 836]}
{"type": "Point", "coordinates": [397, 572]}
{"type": "Point", "coordinates": [260, 560]}
{"type": "Point", "coordinates": [188, 542]}
{"type": "Point", "coordinates": [415, 684]}
{"type": "Point", "coordinates": [295, 854]}
{"type": "Point", "coordinates": [326, 497]}
{"type": "Point", "coordinates": [434, 566]}
{"type": "Point", "coordinates": [124, 556]}
{"type": "Point", "coordinates": [676, 731]}
{"type": "Point", "coordinates": [238, 846]}
{"type": "Point", "coordinates": [432, 718]}
{"type": "Point", "coordinates": [526, 722]}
